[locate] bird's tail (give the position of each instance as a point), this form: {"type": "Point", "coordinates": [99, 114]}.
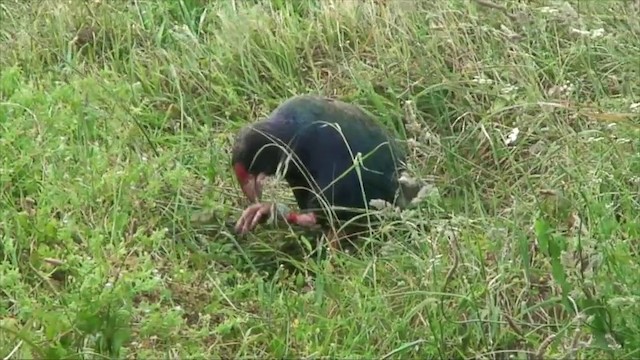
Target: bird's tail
{"type": "Point", "coordinates": [411, 191]}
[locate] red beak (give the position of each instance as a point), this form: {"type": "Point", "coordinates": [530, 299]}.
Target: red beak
{"type": "Point", "coordinates": [252, 188]}
{"type": "Point", "coordinates": [251, 185]}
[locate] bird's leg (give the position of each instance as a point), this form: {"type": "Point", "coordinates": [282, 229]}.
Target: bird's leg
{"type": "Point", "coordinates": [333, 239]}
{"type": "Point", "coordinates": [309, 220]}
{"type": "Point", "coordinates": [304, 220]}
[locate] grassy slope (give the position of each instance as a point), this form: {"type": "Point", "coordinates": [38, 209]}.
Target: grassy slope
{"type": "Point", "coordinates": [509, 272]}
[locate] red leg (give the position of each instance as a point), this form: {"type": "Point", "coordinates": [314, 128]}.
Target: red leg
{"type": "Point", "coordinates": [334, 240]}
{"type": "Point", "coordinates": [305, 220]}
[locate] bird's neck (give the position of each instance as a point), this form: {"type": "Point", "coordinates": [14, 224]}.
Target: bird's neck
{"type": "Point", "coordinates": [270, 141]}
{"type": "Point", "coordinates": [278, 131]}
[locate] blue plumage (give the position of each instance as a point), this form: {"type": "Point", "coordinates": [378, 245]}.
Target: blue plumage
{"type": "Point", "coordinates": [325, 135]}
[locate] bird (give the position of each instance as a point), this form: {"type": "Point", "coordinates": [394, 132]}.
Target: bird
{"type": "Point", "coordinates": [314, 142]}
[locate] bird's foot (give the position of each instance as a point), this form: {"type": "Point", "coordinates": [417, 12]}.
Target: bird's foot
{"type": "Point", "coordinates": [252, 216]}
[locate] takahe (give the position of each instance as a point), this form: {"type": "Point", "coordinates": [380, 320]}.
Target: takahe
{"type": "Point", "coordinates": [316, 141]}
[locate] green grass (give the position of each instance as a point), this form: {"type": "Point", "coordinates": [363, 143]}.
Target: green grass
{"type": "Point", "coordinates": [115, 129]}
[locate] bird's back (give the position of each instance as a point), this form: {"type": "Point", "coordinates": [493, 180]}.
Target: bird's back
{"type": "Point", "coordinates": [330, 133]}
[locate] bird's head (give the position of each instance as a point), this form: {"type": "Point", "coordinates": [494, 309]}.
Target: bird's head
{"type": "Point", "coordinates": [255, 156]}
